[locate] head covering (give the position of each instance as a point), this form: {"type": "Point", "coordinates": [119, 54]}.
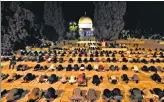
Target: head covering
{"type": "Point", "coordinates": [82, 68]}
{"type": "Point", "coordinates": [95, 66]}
{"type": "Point", "coordinates": [135, 68]}
{"type": "Point", "coordinates": [72, 79]}
{"type": "Point", "coordinates": [49, 59]}
{"type": "Point", "coordinates": [130, 56]}
{"type": "Point", "coordinates": [113, 77]}
{"type": "Point", "coordinates": [51, 67]}
{"type": "Point", "coordinates": [64, 79]}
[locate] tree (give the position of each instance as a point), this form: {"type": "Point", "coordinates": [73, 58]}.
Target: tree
{"type": "Point", "coordinates": [71, 35]}
{"type": "Point", "coordinates": [7, 44]}
{"type": "Point", "coordinates": [73, 31]}
{"type": "Point", "coordinates": [124, 34]}
{"type": "Point", "coordinates": [73, 27]}
{"type": "Point", "coordinates": [108, 19]}
{"type": "Point", "coordinates": [53, 16]}
{"type": "Point", "coordinates": [50, 33]}
{"type": "Point", "coordinates": [17, 24]}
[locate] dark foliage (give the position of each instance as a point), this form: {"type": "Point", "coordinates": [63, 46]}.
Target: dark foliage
{"type": "Point", "coordinates": [108, 19]}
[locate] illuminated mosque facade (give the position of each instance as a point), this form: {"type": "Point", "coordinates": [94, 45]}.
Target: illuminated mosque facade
{"type": "Point", "coordinates": [85, 26]}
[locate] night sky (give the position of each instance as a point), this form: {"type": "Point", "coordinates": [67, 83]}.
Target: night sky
{"type": "Point", "coordinates": [74, 10]}
{"type": "Point", "coordinates": [139, 14]}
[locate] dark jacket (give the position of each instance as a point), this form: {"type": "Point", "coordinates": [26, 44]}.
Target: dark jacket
{"type": "Point", "coordinates": [96, 80]}
{"type": "Point", "coordinates": [125, 77]}
{"type": "Point", "coordinates": [53, 78]}
{"type": "Point", "coordinates": [29, 77]}
{"type": "Point", "coordinates": [50, 93]}
{"type": "Point", "coordinates": [117, 94]}
{"type": "Point", "coordinates": [107, 94]}
{"type": "Point", "coordinates": [156, 77]}
{"type": "Point", "coordinates": [76, 67]}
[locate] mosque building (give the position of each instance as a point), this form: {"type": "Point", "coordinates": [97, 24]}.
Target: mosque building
{"type": "Point", "coordinates": [85, 26]}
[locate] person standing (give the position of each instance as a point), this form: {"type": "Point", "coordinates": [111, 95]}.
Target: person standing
{"type": "Point", "coordinates": [12, 62]}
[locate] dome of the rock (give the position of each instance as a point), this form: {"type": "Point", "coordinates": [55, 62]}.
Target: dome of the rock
{"type": "Point", "coordinates": [85, 20]}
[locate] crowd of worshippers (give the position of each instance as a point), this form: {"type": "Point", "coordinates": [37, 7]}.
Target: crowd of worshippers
{"type": "Point", "coordinates": [94, 53]}
{"type": "Point", "coordinates": [108, 45]}
{"type": "Point", "coordinates": [114, 45]}
{"type": "Point", "coordinates": [135, 50]}
{"type": "Point", "coordinates": [78, 95]}
{"type": "Point", "coordinates": [57, 56]}
{"type": "Point", "coordinates": [41, 45]}
{"type": "Point", "coordinates": [83, 66]}
{"type": "Point", "coordinates": [96, 80]}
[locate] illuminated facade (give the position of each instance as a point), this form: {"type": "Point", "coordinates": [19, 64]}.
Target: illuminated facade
{"type": "Point", "coordinates": [85, 27]}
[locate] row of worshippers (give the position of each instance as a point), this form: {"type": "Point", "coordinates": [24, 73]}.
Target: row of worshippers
{"type": "Point", "coordinates": [78, 95]}
{"type": "Point", "coordinates": [81, 79]}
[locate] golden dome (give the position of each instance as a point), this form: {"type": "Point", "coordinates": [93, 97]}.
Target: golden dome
{"type": "Point", "coordinates": [85, 20]}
